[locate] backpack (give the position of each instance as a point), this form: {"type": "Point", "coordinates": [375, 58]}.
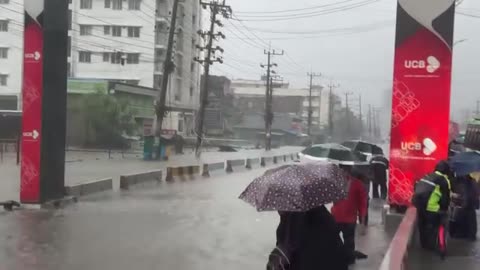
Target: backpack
{"type": "Point", "coordinates": [278, 260]}
{"type": "Point", "coordinates": [422, 192]}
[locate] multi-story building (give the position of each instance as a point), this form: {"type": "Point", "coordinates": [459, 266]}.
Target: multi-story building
{"type": "Point", "coordinates": [118, 40]}
{"type": "Point", "coordinates": [11, 51]}
{"type": "Point", "coordinates": [250, 97]}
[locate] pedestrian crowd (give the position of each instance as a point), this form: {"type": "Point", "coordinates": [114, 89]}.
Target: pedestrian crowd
{"type": "Point", "coordinates": [311, 237]}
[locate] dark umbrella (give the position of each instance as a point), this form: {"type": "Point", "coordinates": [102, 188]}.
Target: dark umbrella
{"type": "Point", "coordinates": [297, 187]}
{"type": "Point", "coordinates": [363, 147]}
{"type": "Point", "coordinates": [465, 163]}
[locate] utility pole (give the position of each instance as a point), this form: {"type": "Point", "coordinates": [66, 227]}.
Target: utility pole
{"type": "Point", "coordinates": [216, 8]}
{"type": "Point", "coordinates": [310, 111]}
{"type": "Point", "coordinates": [331, 108]}
{"type": "Point", "coordinates": [360, 114]}
{"type": "Point", "coordinates": [269, 97]}
{"type": "Point", "coordinates": [347, 112]}
{"type": "Point", "coordinates": [168, 68]}
{"type": "Point", "coordinates": [369, 121]}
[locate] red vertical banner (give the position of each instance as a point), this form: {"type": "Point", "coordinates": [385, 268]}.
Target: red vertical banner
{"type": "Point", "coordinates": [32, 102]}
{"type": "Point", "coordinates": [421, 93]}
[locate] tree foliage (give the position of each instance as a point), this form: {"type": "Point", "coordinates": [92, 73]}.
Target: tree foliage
{"type": "Point", "coordinates": [107, 119]}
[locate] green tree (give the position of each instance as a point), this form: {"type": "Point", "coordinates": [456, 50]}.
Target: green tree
{"type": "Point", "coordinates": [107, 119]}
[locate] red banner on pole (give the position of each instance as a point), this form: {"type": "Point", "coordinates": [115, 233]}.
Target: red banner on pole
{"type": "Point", "coordinates": [32, 102]}
{"type": "Point", "coordinates": [421, 93]}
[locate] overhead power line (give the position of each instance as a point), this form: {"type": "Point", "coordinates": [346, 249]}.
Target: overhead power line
{"type": "Point", "coordinates": [311, 14]}
{"type": "Point", "coordinates": [293, 10]}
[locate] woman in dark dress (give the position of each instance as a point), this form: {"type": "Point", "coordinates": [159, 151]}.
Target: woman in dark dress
{"type": "Point", "coordinates": [308, 241]}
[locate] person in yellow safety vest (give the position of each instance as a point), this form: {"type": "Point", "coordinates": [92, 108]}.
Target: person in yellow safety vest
{"type": "Point", "coordinates": [432, 199]}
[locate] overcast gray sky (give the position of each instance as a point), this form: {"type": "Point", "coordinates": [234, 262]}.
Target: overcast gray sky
{"type": "Point", "coordinates": [352, 47]}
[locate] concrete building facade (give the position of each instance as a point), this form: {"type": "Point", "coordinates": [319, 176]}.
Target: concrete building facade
{"type": "Point", "coordinates": [120, 41]}
{"type": "Point", "coordinates": [250, 96]}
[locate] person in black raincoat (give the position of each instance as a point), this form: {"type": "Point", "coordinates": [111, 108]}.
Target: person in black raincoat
{"type": "Point", "coordinates": [379, 166]}
{"type": "Point", "coordinates": [464, 223]}
{"type": "Point", "coordinates": [308, 241]}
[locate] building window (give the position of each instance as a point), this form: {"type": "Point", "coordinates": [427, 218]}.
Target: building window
{"type": "Point", "coordinates": [86, 4]}
{"type": "Point", "coordinates": [180, 126]}
{"type": "Point", "coordinates": [69, 46]}
{"type": "Point", "coordinates": [192, 67]}
{"type": "Point", "coordinates": [178, 92]}
{"type": "Point", "coordinates": [108, 3]}
{"type": "Point", "coordinates": [69, 69]}
{"type": "Point", "coordinates": [106, 57]}
{"type": "Point", "coordinates": [116, 58]}
{"type": "Point", "coordinates": [85, 30]}
{"type": "Point", "coordinates": [85, 57]}
{"type": "Point", "coordinates": [4, 1]}
{"type": "Point", "coordinates": [117, 4]}
{"type": "Point", "coordinates": [106, 30]}
{"type": "Point", "coordinates": [133, 58]}
{"type": "Point", "coordinates": [3, 79]}
{"type": "Point", "coordinates": [134, 4]}
{"type": "Point", "coordinates": [116, 31]}
{"type": "Point", "coordinates": [3, 25]}
{"type": "Point", "coordinates": [191, 91]}
{"type": "Point", "coordinates": [69, 19]}
{"type": "Point", "coordinates": [3, 53]}
{"type": "Point", "coordinates": [133, 31]}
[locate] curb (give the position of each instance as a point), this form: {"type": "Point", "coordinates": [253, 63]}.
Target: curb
{"type": "Point", "coordinates": [182, 172]}
{"type": "Point", "coordinates": [228, 166]}
{"type": "Point", "coordinates": [133, 179]}
{"type": "Point", "coordinates": [248, 164]}
{"type": "Point", "coordinates": [89, 188]}
{"type": "Point", "coordinates": [59, 203]}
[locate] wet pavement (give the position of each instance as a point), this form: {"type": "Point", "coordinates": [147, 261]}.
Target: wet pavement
{"type": "Point", "coordinates": [462, 255]}
{"type": "Point", "coordinates": [186, 225]}
{"type": "Point", "coordinates": [84, 167]}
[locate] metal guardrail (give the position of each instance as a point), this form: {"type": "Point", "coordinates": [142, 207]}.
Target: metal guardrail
{"type": "Point", "coordinates": [397, 254]}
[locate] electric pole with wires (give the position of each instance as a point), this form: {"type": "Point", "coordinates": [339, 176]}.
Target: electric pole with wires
{"type": "Point", "coordinates": [331, 108]}
{"type": "Point", "coordinates": [269, 97]}
{"type": "Point", "coordinates": [310, 111]}
{"type": "Point", "coordinates": [347, 112]}
{"type": "Point", "coordinates": [168, 68]}
{"type": "Point", "coordinates": [216, 8]}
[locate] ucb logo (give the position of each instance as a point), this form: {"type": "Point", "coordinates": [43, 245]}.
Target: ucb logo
{"type": "Point", "coordinates": [428, 146]}
{"type": "Point", "coordinates": [415, 64]}
{"type": "Point", "coordinates": [411, 146]}
{"type": "Point", "coordinates": [430, 65]}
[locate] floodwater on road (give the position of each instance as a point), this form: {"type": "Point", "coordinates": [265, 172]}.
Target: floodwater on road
{"type": "Point", "coordinates": [187, 225]}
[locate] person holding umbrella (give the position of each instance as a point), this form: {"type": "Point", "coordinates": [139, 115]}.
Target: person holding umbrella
{"type": "Point", "coordinates": [307, 236]}
{"type": "Point", "coordinates": [379, 165]}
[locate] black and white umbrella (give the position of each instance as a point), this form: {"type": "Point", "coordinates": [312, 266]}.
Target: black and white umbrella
{"type": "Point", "coordinates": [297, 187]}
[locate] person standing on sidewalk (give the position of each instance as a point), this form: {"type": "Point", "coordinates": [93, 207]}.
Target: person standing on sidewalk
{"type": "Point", "coordinates": [379, 166]}
{"type": "Point", "coordinates": [432, 200]}
{"type": "Point", "coordinates": [346, 213]}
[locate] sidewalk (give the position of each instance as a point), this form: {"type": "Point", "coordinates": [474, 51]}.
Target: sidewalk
{"type": "Point", "coordinates": [462, 255]}
{"type": "Point", "coordinates": [84, 167]}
